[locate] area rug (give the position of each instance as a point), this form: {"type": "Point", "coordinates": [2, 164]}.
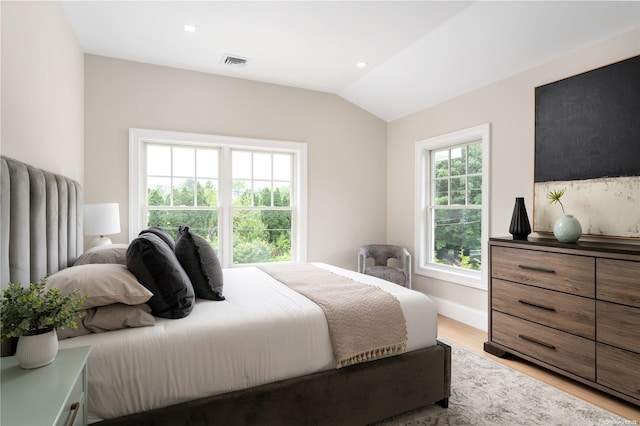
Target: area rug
{"type": "Point", "coordinates": [485, 392]}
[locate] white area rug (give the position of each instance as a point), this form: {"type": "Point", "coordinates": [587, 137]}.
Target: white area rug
{"type": "Point", "coordinates": [484, 392]}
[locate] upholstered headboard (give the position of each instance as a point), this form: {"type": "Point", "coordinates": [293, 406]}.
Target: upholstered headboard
{"type": "Point", "coordinates": [40, 222]}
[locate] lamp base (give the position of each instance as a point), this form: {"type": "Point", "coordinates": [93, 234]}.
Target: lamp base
{"type": "Point", "coordinates": [99, 241]}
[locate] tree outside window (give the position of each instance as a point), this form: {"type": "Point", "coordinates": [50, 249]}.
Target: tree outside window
{"type": "Point", "coordinates": [452, 217]}
{"type": "Point", "coordinates": [456, 206]}
{"type": "Point", "coordinates": [183, 188]}
{"type": "Point", "coordinates": [261, 206]}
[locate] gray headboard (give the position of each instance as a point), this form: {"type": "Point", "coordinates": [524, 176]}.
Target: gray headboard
{"type": "Point", "coordinates": [40, 222]}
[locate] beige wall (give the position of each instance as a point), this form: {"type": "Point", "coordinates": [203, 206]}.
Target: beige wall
{"type": "Point", "coordinates": [42, 88]}
{"type": "Point", "coordinates": [509, 106]}
{"type": "Point", "coordinates": [346, 145]}
{"type": "Point", "coordinates": [360, 169]}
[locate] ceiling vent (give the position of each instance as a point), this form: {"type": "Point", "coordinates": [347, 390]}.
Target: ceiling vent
{"type": "Point", "coordinates": [234, 61]}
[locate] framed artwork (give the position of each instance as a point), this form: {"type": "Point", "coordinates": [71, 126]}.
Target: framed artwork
{"type": "Point", "coordinates": [587, 142]}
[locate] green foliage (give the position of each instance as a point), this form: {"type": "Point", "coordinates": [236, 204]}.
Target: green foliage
{"type": "Point", "coordinates": [24, 313]}
{"type": "Point", "coordinates": [457, 223]}
{"type": "Point", "coordinates": [261, 234]}
{"type": "Point", "coordinates": [251, 252]}
{"type": "Point", "coordinates": [241, 194]}
{"type": "Point", "coordinates": [155, 198]}
{"type": "Point", "coordinates": [248, 226]}
{"type": "Point", "coordinates": [554, 197]}
{"type": "Point", "coordinates": [207, 194]}
{"type": "Point", "coordinates": [466, 261]}
{"type": "Point", "coordinates": [457, 237]}
{"type": "Point", "coordinates": [268, 232]}
{"type": "Point", "coordinates": [184, 195]}
{"type": "Point", "coordinates": [189, 193]}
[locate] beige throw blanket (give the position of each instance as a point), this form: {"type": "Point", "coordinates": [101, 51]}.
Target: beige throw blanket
{"type": "Point", "coordinates": [365, 322]}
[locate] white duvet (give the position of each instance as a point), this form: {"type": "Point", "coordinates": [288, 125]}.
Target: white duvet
{"type": "Point", "coordinates": [263, 332]}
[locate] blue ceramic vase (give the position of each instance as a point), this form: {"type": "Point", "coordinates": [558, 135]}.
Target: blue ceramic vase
{"type": "Point", "coordinates": [567, 229]}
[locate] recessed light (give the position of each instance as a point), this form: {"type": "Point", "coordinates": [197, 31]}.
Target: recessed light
{"type": "Point", "coordinates": [362, 64]}
{"type": "Point", "coordinates": [189, 28]}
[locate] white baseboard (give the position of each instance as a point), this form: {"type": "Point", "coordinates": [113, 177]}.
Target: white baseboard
{"type": "Point", "coordinates": [464, 314]}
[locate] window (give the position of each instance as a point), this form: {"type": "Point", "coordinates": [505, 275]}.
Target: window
{"type": "Point", "coordinates": [452, 182]}
{"type": "Point", "coordinates": [261, 206]}
{"type": "Point", "coordinates": [245, 196]}
{"type": "Point", "coordinates": [182, 189]}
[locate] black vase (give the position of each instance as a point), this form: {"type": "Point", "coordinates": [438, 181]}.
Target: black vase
{"type": "Point", "coordinates": [519, 227]}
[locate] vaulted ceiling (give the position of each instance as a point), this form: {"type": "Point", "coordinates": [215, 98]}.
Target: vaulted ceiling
{"type": "Point", "coordinates": [418, 53]}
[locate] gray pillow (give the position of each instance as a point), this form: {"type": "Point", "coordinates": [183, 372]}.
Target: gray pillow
{"type": "Point", "coordinates": [110, 317]}
{"type": "Point", "coordinates": [201, 264]}
{"type": "Point", "coordinates": [107, 253]}
{"type": "Point", "coordinates": [156, 267]}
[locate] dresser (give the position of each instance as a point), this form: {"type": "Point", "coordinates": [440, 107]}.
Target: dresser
{"type": "Point", "coordinates": [572, 308]}
{"type": "Point", "coordinates": [55, 394]}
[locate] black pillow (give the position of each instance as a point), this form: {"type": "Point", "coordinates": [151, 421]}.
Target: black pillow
{"type": "Point", "coordinates": [162, 234]}
{"type": "Point", "coordinates": [201, 264]}
{"type": "Point", "coordinates": [153, 263]}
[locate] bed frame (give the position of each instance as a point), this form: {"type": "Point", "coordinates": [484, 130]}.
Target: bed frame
{"type": "Point", "coordinates": [41, 233]}
{"type": "Point", "coordinates": [356, 395]}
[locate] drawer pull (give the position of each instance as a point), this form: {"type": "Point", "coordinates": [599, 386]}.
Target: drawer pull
{"type": "Point", "coordinates": [532, 340]}
{"type": "Point", "coordinates": [75, 408]}
{"type": "Point", "coordinates": [535, 305]}
{"type": "Point", "coordinates": [536, 268]}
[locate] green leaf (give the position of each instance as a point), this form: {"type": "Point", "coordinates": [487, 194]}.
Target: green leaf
{"type": "Point", "coordinates": [24, 312]}
{"type": "Point", "coordinates": [554, 197]}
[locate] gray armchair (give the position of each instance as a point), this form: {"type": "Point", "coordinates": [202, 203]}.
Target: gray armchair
{"type": "Point", "coordinates": [382, 268]}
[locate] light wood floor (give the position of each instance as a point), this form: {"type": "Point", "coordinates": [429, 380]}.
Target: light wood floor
{"type": "Point", "coordinates": [473, 339]}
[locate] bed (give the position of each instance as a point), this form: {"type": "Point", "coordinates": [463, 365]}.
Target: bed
{"type": "Point", "coordinates": [264, 355]}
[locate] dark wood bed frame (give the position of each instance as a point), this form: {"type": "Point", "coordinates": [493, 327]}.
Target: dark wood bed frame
{"type": "Point", "coordinates": [356, 395]}
{"type": "Point", "coordinates": [46, 209]}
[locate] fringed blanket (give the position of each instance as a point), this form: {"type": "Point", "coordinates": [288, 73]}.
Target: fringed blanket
{"type": "Point", "coordinates": [365, 322]}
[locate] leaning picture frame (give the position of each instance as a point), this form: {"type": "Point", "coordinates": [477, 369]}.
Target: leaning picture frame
{"type": "Point", "coordinates": [587, 142]}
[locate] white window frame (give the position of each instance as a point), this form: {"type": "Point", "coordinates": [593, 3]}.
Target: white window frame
{"type": "Point", "coordinates": [423, 220]}
{"type": "Point", "coordinates": [137, 189]}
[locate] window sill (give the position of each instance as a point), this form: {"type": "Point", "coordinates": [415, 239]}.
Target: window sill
{"type": "Point", "coordinates": [467, 278]}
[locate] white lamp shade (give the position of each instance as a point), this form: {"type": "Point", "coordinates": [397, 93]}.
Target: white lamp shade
{"type": "Point", "coordinates": [102, 219]}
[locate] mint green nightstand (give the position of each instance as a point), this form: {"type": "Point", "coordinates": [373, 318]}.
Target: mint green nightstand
{"type": "Point", "coordinates": [52, 395]}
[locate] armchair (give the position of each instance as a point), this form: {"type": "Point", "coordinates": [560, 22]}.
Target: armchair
{"type": "Point", "coordinates": [381, 254]}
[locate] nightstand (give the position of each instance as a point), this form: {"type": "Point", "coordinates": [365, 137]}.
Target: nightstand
{"type": "Point", "coordinates": [55, 394]}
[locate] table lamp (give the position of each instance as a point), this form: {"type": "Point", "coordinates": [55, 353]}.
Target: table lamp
{"type": "Point", "coordinates": [101, 219]}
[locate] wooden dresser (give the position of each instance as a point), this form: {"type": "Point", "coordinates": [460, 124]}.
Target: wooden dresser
{"type": "Point", "coordinates": [572, 308]}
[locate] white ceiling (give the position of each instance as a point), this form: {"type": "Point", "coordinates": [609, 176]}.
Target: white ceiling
{"type": "Point", "coordinates": [420, 53]}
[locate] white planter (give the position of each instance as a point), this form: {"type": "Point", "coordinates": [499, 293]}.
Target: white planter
{"type": "Point", "coordinates": [37, 350]}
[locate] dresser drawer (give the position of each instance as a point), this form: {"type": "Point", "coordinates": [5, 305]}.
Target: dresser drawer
{"type": "Point", "coordinates": [566, 351]}
{"type": "Point", "coordinates": [618, 325]}
{"type": "Point", "coordinates": [554, 271]}
{"type": "Point", "coordinates": [618, 369]}
{"type": "Point", "coordinates": [618, 281]}
{"type": "Point", "coordinates": [565, 312]}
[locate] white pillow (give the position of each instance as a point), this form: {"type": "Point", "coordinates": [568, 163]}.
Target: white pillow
{"type": "Point", "coordinates": [103, 283]}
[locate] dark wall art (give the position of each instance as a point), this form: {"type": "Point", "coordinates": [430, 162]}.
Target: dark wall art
{"type": "Point", "coordinates": [587, 142]}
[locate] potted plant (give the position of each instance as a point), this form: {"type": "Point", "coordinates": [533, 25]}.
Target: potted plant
{"type": "Point", "coordinates": [566, 229]}
{"type": "Point", "coordinates": [32, 315]}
